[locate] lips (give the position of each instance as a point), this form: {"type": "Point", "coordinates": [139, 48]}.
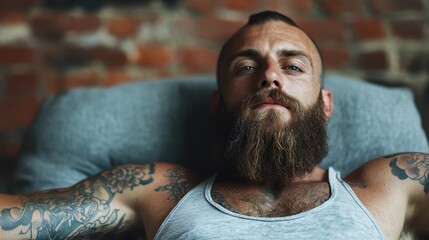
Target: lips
{"type": "Point", "coordinates": [268, 102]}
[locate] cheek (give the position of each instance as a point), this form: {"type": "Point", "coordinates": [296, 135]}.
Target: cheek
{"type": "Point", "coordinates": [307, 94]}
{"type": "Point", "coordinates": [235, 93]}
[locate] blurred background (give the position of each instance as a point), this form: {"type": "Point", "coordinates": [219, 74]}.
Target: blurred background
{"type": "Point", "coordinates": [48, 46]}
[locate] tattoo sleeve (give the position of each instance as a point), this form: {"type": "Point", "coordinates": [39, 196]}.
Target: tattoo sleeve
{"type": "Point", "coordinates": [414, 166]}
{"type": "Point", "coordinates": [84, 211]}
{"type": "Point", "coordinates": [179, 184]}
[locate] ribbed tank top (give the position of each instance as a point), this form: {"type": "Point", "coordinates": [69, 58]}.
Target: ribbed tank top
{"type": "Point", "coordinates": [342, 216]}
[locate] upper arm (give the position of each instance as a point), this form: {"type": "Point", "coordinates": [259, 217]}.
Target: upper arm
{"type": "Point", "coordinates": [103, 205]}
{"type": "Point", "coordinates": [95, 207]}
{"type": "Point", "coordinates": [412, 170]}
{"type": "Point", "coordinates": [400, 179]}
{"type": "Point", "coordinates": [392, 186]}
{"type": "Point", "coordinates": [405, 174]}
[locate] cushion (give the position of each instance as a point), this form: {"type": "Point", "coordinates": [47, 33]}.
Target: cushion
{"type": "Point", "coordinates": [83, 131]}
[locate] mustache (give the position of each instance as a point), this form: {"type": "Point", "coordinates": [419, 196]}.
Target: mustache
{"type": "Point", "coordinates": [276, 95]}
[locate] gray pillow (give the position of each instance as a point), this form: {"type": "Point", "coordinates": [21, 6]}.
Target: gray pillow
{"type": "Point", "coordinates": [84, 131]}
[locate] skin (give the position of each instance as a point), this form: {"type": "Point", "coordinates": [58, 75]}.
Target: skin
{"type": "Point", "coordinates": [139, 197]}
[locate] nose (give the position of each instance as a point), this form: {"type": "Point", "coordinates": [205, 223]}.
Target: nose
{"type": "Point", "coordinates": [271, 77]}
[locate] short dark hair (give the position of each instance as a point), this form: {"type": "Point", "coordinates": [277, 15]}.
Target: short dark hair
{"type": "Point", "coordinates": [264, 17]}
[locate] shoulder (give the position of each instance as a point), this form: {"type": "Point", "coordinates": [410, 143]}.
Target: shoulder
{"type": "Point", "coordinates": [406, 172]}
{"type": "Point", "coordinates": [169, 185]}
{"type": "Point", "coordinates": [150, 177]}
{"type": "Point", "coordinates": [391, 186]}
{"type": "Point", "coordinates": [173, 180]}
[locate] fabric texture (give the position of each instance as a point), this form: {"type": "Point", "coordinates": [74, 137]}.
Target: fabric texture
{"type": "Point", "coordinates": [342, 216]}
{"type": "Point", "coordinates": [84, 131]}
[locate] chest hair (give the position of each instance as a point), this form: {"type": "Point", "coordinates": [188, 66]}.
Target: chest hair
{"type": "Point", "coordinates": [261, 201]}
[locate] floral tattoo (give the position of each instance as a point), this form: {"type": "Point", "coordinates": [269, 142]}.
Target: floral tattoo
{"type": "Point", "coordinates": [82, 211]}
{"type": "Point", "coordinates": [414, 166]}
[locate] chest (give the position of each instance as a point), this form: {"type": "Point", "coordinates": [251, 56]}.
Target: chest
{"type": "Point", "coordinates": [264, 202]}
{"type": "Point", "coordinates": [340, 217]}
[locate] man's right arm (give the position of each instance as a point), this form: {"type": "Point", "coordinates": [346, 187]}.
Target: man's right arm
{"type": "Point", "coordinates": [96, 207]}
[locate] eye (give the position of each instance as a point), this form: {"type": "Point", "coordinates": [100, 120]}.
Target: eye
{"type": "Point", "coordinates": [245, 69]}
{"type": "Point", "coordinates": [293, 68]}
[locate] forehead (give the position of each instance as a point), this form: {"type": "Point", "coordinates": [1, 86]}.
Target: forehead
{"type": "Point", "coordinates": [271, 37]}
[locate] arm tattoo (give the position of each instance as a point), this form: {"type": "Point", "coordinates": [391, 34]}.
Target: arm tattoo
{"type": "Point", "coordinates": [179, 184]}
{"type": "Point", "coordinates": [82, 211]}
{"type": "Point", "coordinates": [414, 166]}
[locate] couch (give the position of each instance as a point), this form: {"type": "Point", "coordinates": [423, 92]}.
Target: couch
{"type": "Point", "coordinates": [81, 132]}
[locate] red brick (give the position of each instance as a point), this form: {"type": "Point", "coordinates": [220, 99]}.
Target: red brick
{"type": "Point", "coordinates": [159, 56]}
{"type": "Point", "coordinates": [18, 4]}
{"type": "Point", "coordinates": [54, 26]}
{"type": "Point", "coordinates": [387, 6]}
{"type": "Point", "coordinates": [240, 5]}
{"type": "Point", "coordinates": [410, 29]}
{"type": "Point", "coordinates": [62, 57]}
{"type": "Point", "coordinates": [303, 5]}
{"type": "Point", "coordinates": [342, 7]}
{"type": "Point", "coordinates": [48, 26]}
{"type": "Point", "coordinates": [57, 82]}
{"type": "Point", "coordinates": [334, 57]}
{"type": "Point", "coordinates": [373, 61]}
{"type": "Point", "coordinates": [17, 112]}
{"type": "Point", "coordinates": [123, 26]}
{"type": "Point", "coordinates": [16, 55]}
{"type": "Point", "coordinates": [323, 30]}
{"type": "Point", "coordinates": [114, 77]}
{"type": "Point", "coordinates": [165, 73]}
{"type": "Point", "coordinates": [79, 79]}
{"type": "Point", "coordinates": [198, 59]}
{"type": "Point", "coordinates": [81, 24]}
{"type": "Point", "coordinates": [201, 6]}
{"type": "Point", "coordinates": [12, 17]}
{"type": "Point", "coordinates": [215, 28]}
{"type": "Point", "coordinates": [369, 29]}
{"type": "Point", "coordinates": [288, 8]}
{"type": "Point", "coordinates": [51, 83]}
{"type": "Point", "coordinates": [22, 83]}
{"type": "Point", "coordinates": [109, 56]}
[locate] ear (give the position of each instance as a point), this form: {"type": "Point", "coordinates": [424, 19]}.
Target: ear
{"type": "Point", "coordinates": [215, 101]}
{"type": "Point", "coordinates": [328, 102]}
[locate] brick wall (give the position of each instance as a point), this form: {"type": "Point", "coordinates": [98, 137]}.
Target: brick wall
{"type": "Point", "coordinates": [46, 48]}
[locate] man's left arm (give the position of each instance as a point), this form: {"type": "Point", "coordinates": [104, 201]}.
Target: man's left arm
{"type": "Point", "coordinates": [391, 187]}
{"type": "Point", "coordinates": [412, 169]}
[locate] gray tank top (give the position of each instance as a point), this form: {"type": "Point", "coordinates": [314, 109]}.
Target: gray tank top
{"type": "Point", "coordinates": [342, 216]}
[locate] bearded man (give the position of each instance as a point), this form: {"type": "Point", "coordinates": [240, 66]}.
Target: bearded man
{"type": "Point", "coordinates": [271, 116]}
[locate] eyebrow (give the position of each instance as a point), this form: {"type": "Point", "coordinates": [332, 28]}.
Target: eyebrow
{"type": "Point", "coordinates": [296, 53]}
{"type": "Point", "coordinates": [247, 53]}
{"type": "Point", "coordinates": [283, 52]}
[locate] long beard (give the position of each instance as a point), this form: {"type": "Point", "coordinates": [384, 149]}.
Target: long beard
{"type": "Point", "coordinates": [257, 146]}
